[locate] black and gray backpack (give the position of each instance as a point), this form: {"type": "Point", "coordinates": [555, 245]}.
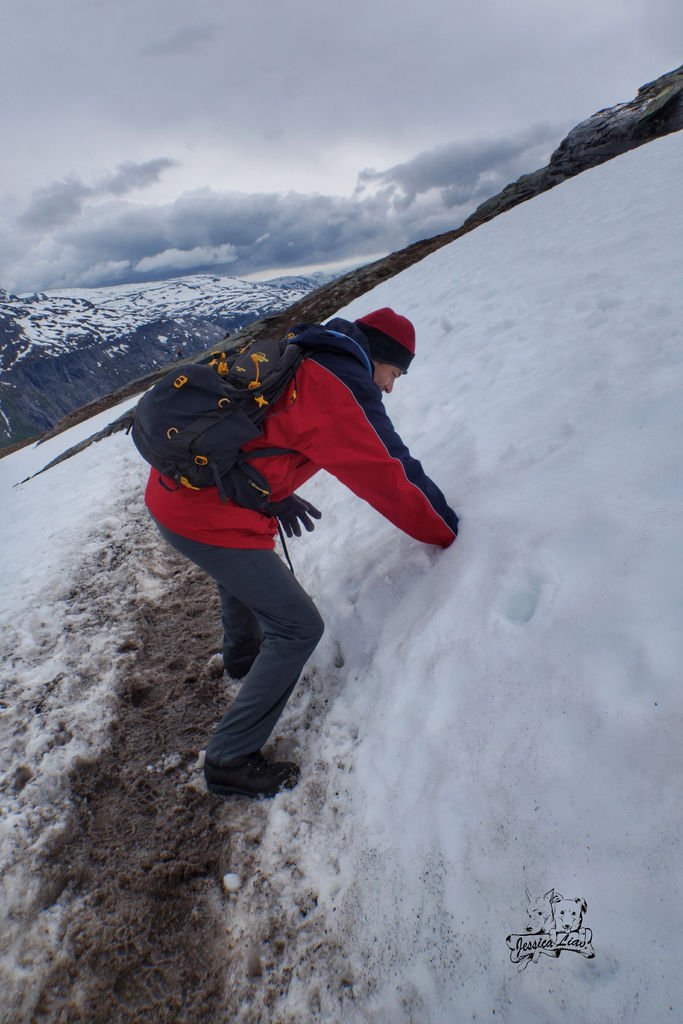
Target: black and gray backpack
{"type": "Point", "coordinates": [192, 425]}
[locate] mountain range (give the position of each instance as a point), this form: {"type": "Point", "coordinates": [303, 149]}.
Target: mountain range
{"type": "Point", "coordinates": [59, 350]}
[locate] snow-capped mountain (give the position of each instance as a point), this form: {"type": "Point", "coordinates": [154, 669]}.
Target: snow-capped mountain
{"type": "Point", "coordinates": [60, 349]}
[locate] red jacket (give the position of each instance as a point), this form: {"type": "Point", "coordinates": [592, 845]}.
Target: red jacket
{"type": "Point", "coordinates": [333, 417]}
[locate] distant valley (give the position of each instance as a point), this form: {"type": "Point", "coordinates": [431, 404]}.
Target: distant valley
{"type": "Point", "coordinates": [60, 350]}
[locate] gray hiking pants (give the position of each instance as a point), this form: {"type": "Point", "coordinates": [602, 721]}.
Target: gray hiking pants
{"type": "Point", "coordinates": [260, 598]}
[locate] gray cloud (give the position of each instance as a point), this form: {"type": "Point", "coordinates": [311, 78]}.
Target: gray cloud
{"type": "Point", "coordinates": [129, 176]}
{"type": "Point", "coordinates": [463, 171]}
{"type": "Point", "coordinates": [61, 202]}
{"type": "Point", "coordinates": [185, 40]}
{"type": "Point", "coordinates": [55, 204]}
{"type": "Point", "coordinates": [89, 241]}
{"type": "Point", "coordinates": [237, 232]}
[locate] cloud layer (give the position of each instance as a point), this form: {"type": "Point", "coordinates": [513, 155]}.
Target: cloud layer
{"type": "Point", "coordinates": [72, 233]}
{"type": "Point", "coordinates": [256, 134]}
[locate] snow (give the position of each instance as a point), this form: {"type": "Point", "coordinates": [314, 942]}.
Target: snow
{"type": "Point", "coordinates": [231, 882]}
{"type": "Point", "coordinates": [501, 716]}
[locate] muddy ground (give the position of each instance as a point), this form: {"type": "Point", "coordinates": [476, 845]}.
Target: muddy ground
{"type": "Point", "coordinates": [137, 871]}
{"type": "Point", "coordinates": [140, 862]}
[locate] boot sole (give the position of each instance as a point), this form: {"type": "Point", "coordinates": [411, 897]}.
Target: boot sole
{"type": "Point", "coordinates": [263, 794]}
{"type": "Point", "coordinates": [232, 791]}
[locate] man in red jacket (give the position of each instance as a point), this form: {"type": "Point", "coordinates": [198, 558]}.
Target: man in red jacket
{"type": "Point", "coordinates": [330, 417]}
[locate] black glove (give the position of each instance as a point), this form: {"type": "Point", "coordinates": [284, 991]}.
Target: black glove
{"type": "Point", "coordinates": [292, 512]}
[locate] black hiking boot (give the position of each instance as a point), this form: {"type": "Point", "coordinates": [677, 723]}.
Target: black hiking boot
{"type": "Point", "coordinates": [255, 776]}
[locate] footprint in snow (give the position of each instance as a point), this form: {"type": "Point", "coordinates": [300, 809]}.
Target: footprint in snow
{"type": "Point", "coordinates": [520, 603]}
{"type": "Point", "coordinates": [522, 594]}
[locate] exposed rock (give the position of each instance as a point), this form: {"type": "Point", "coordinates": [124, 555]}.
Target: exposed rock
{"type": "Point", "coordinates": [657, 110]}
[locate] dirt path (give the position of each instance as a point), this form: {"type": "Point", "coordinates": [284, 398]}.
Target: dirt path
{"type": "Point", "coordinates": [117, 911]}
{"type": "Point", "coordinates": [141, 864]}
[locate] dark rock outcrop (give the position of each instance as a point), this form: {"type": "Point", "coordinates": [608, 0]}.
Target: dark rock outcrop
{"type": "Point", "coordinates": [657, 110]}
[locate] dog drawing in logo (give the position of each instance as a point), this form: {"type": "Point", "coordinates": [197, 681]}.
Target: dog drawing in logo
{"type": "Point", "coordinates": [567, 915]}
{"type": "Point", "coordinates": [540, 912]}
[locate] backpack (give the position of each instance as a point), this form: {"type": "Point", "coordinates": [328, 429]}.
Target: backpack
{"type": "Point", "coordinates": [192, 424]}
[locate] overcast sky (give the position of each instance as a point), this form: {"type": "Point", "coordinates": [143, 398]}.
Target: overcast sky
{"type": "Point", "coordinates": [144, 139]}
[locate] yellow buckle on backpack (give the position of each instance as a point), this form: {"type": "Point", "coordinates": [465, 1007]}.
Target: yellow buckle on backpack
{"type": "Point", "coordinates": [179, 381]}
{"type": "Point", "coordinates": [257, 358]}
{"type": "Point", "coordinates": [186, 483]}
{"type": "Point", "coordinates": [201, 460]}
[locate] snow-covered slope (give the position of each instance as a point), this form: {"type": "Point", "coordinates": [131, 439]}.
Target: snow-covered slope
{"type": "Point", "coordinates": [498, 717]}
